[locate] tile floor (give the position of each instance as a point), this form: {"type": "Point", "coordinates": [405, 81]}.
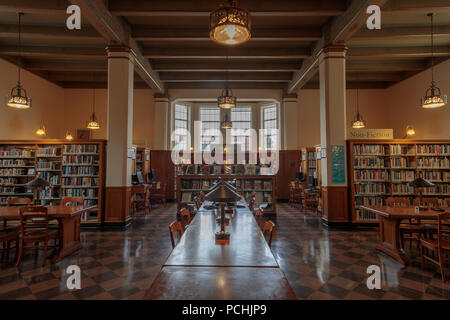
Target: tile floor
{"type": "Point", "coordinates": [319, 263]}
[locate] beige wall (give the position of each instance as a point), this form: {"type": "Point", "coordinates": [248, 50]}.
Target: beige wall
{"type": "Point", "coordinates": [47, 106]}
{"type": "Point", "coordinates": [78, 107]}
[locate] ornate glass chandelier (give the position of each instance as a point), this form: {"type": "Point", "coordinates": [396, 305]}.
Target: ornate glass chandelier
{"type": "Point", "coordinates": [433, 98]}
{"type": "Point", "coordinates": [93, 123]}
{"type": "Point", "coordinates": [226, 99]}
{"type": "Point", "coordinates": [18, 97]}
{"type": "Point", "coordinates": [230, 25]}
{"type": "Point", "coordinates": [226, 124]}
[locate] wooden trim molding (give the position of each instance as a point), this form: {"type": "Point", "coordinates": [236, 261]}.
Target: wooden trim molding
{"type": "Point", "coordinates": [118, 202]}
{"type": "Point", "coordinates": [335, 204]}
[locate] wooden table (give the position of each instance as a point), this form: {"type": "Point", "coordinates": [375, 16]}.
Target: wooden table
{"type": "Point", "coordinates": [390, 218]}
{"type": "Point", "coordinates": [68, 221]}
{"type": "Point", "coordinates": [199, 268]}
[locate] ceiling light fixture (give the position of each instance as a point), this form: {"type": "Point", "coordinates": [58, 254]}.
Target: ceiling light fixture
{"type": "Point", "coordinates": [230, 25]}
{"type": "Point", "coordinates": [226, 124]}
{"type": "Point", "coordinates": [226, 100]}
{"type": "Point", "coordinates": [41, 131]}
{"type": "Point", "coordinates": [433, 98]}
{"type": "Point", "coordinates": [18, 97]}
{"type": "Point", "coordinates": [93, 123]}
{"type": "Point", "coordinates": [359, 122]}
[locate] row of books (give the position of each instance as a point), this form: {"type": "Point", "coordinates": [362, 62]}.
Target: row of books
{"type": "Point", "coordinates": [433, 149]}
{"type": "Point", "coordinates": [80, 192]}
{"type": "Point", "coordinates": [80, 148]}
{"type": "Point", "coordinates": [402, 163]}
{"type": "Point", "coordinates": [80, 181]}
{"type": "Point", "coordinates": [402, 149]}
{"type": "Point", "coordinates": [17, 153]}
{"type": "Point", "coordinates": [438, 189]}
{"type": "Point", "coordinates": [361, 175]}
{"type": "Point", "coordinates": [11, 190]}
{"type": "Point", "coordinates": [436, 175]}
{"type": "Point", "coordinates": [238, 169]}
{"type": "Point", "coordinates": [369, 201]}
{"type": "Point", "coordinates": [8, 181]}
{"type": "Point", "coordinates": [49, 151]}
{"type": "Point", "coordinates": [15, 163]}
{"type": "Point", "coordinates": [403, 175]}
{"type": "Point", "coordinates": [79, 160]}
{"type": "Point", "coordinates": [13, 172]}
{"type": "Point", "coordinates": [53, 179]}
{"type": "Point", "coordinates": [372, 188]}
{"type": "Point", "coordinates": [84, 170]}
{"type": "Point", "coordinates": [433, 162]}
{"type": "Point", "coordinates": [49, 193]}
{"type": "Point", "coordinates": [49, 165]}
{"type": "Point", "coordinates": [402, 188]}
{"type": "Point", "coordinates": [369, 149]}
{"type": "Point", "coordinates": [370, 163]}
{"type": "Point", "coordinates": [365, 215]}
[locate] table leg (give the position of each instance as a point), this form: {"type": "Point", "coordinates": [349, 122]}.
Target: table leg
{"type": "Point", "coordinates": [69, 237]}
{"type": "Point", "coordinates": [390, 239]}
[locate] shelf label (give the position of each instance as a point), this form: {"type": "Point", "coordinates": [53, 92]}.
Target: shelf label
{"type": "Point", "coordinates": [370, 134]}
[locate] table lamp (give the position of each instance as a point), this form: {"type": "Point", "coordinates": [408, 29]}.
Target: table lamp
{"type": "Point", "coordinates": [222, 193]}
{"type": "Point", "coordinates": [419, 184]}
{"type": "Point", "coordinates": [36, 184]}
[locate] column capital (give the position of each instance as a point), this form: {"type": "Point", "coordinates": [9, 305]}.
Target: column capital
{"type": "Point", "coordinates": [332, 52]}
{"type": "Point", "coordinates": [292, 97]}
{"type": "Point", "coordinates": [120, 52]}
{"type": "Point", "coordinates": [159, 97]}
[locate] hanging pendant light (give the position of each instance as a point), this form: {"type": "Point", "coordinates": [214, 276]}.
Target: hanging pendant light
{"type": "Point", "coordinates": [69, 136]}
{"type": "Point", "coordinates": [226, 99]}
{"type": "Point", "coordinates": [226, 124]}
{"type": "Point", "coordinates": [93, 123]}
{"type": "Point", "coordinates": [433, 98]}
{"type": "Point", "coordinates": [18, 97]}
{"type": "Point", "coordinates": [41, 131]}
{"type": "Point", "coordinates": [410, 131]}
{"type": "Point", "coordinates": [230, 25]}
{"type": "Point", "coordinates": [359, 122]}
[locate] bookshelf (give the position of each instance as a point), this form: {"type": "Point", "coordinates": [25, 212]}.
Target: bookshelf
{"type": "Point", "coordinates": [142, 161]}
{"type": "Point", "coordinates": [309, 164]}
{"type": "Point", "coordinates": [383, 168]}
{"type": "Point", "coordinates": [190, 184]}
{"type": "Point", "coordinates": [73, 169]}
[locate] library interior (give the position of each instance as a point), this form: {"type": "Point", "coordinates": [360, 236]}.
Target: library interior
{"type": "Point", "coordinates": [227, 150]}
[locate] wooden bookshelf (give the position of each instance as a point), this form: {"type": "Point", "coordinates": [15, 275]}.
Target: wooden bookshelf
{"type": "Point", "coordinates": [309, 164]}
{"type": "Point", "coordinates": [73, 169]}
{"type": "Point", "coordinates": [382, 168]}
{"type": "Point", "coordinates": [188, 186]}
{"type": "Point", "coordinates": [142, 162]}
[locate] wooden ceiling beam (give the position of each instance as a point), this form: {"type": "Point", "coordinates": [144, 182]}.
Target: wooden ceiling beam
{"type": "Point", "coordinates": [337, 31]}
{"type": "Point", "coordinates": [222, 76]}
{"type": "Point", "coordinates": [116, 31]}
{"type": "Point", "coordinates": [177, 8]}
{"type": "Point", "coordinates": [32, 6]}
{"type": "Point", "coordinates": [396, 52]}
{"type": "Point", "coordinates": [53, 65]}
{"type": "Point", "coordinates": [141, 33]}
{"type": "Point", "coordinates": [409, 5]}
{"type": "Point", "coordinates": [373, 66]}
{"type": "Point", "coordinates": [218, 66]}
{"type": "Point", "coordinates": [235, 53]}
{"type": "Point", "coordinates": [92, 53]}
{"type": "Point", "coordinates": [394, 32]}
{"type": "Point", "coordinates": [221, 85]}
{"type": "Point", "coordinates": [46, 32]}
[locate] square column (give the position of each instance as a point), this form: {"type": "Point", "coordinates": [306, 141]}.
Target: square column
{"type": "Point", "coordinates": [289, 120]}
{"type": "Point", "coordinates": [333, 134]}
{"type": "Point", "coordinates": [161, 124]}
{"type": "Point", "coordinates": [119, 134]}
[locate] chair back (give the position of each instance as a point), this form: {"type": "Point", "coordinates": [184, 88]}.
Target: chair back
{"type": "Point", "coordinates": [202, 196]}
{"type": "Point", "coordinates": [443, 229]}
{"type": "Point", "coordinates": [269, 226]}
{"type": "Point", "coordinates": [32, 219]}
{"type": "Point", "coordinates": [258, 213]}
{"type": "Point", "coordinates": [18, 201]}
{"type": "Point", "coordinates": [175, 227]}
{"type": "Point", "coordinates": [429, 202]}
{"type": "Point", "coordinates": [185, 213]}
{"type": "Point", "coordinates": [197, 202]}
{"type": "Point", "coordinates": [73, 201]}
{"type": "Point", "coordinates": [397, 202]}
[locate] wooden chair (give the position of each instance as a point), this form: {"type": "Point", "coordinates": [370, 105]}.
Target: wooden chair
{"type": "Point", "coordinates": [409, 229]}
{"type": "Point", "coordinates": [397, 202]}
{"type": "Point", "coordinates": [158, 195]}
{"type": "Point", "coordinates": [429, 202]}
{"type": "Point", "coordinates": [16, 202]}
{"type": "Point", "coordinates": [7, 236]}
{"type": "Point", "coordinates": [141, 201]}
{"type": "Point", "coordinates": [441, 245]}
{"type": "Point", "coordinates": [73, 201]}
{"type": "Point", "coordinates": [34, 228]}
{"type": "Point", "coordinates": [202, 196]}
{"type": "Point", "coordinates": [197, 202]}
{"type": "Point", "coordinates": [258, 216]}
{"type": "Point", "coordinates": [269, 226]}
{"type": "Point", "coordinates": [175, 227]}
{"type": "Point", "coordinates": [185, 215]}
{"type": "Point", "coordinates": [311, 199]}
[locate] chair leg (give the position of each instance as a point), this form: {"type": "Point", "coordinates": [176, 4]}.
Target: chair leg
{"type": "Point", "coordinates": [441, 263]}
{"type": "Point", "coordinates": [19, 258]}
{"type": "Point", "coordinates": [45, 253]}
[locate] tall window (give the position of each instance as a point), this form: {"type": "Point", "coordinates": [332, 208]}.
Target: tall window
{"type": "Point", "coordinates": [210, 132]}
{"type": "Point", "coordinates": [270, 122]}
{"type": "Point", "coordinates": [241, 120]}
{"type": "Point", "coordinates": [181, 127]}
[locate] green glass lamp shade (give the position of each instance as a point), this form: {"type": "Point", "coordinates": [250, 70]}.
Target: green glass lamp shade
{"type": "Point", "coordinates": [420, 183]}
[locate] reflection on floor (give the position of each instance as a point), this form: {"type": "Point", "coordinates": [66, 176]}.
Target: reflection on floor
{"type": "Point", "coordinates": [319, 263]}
